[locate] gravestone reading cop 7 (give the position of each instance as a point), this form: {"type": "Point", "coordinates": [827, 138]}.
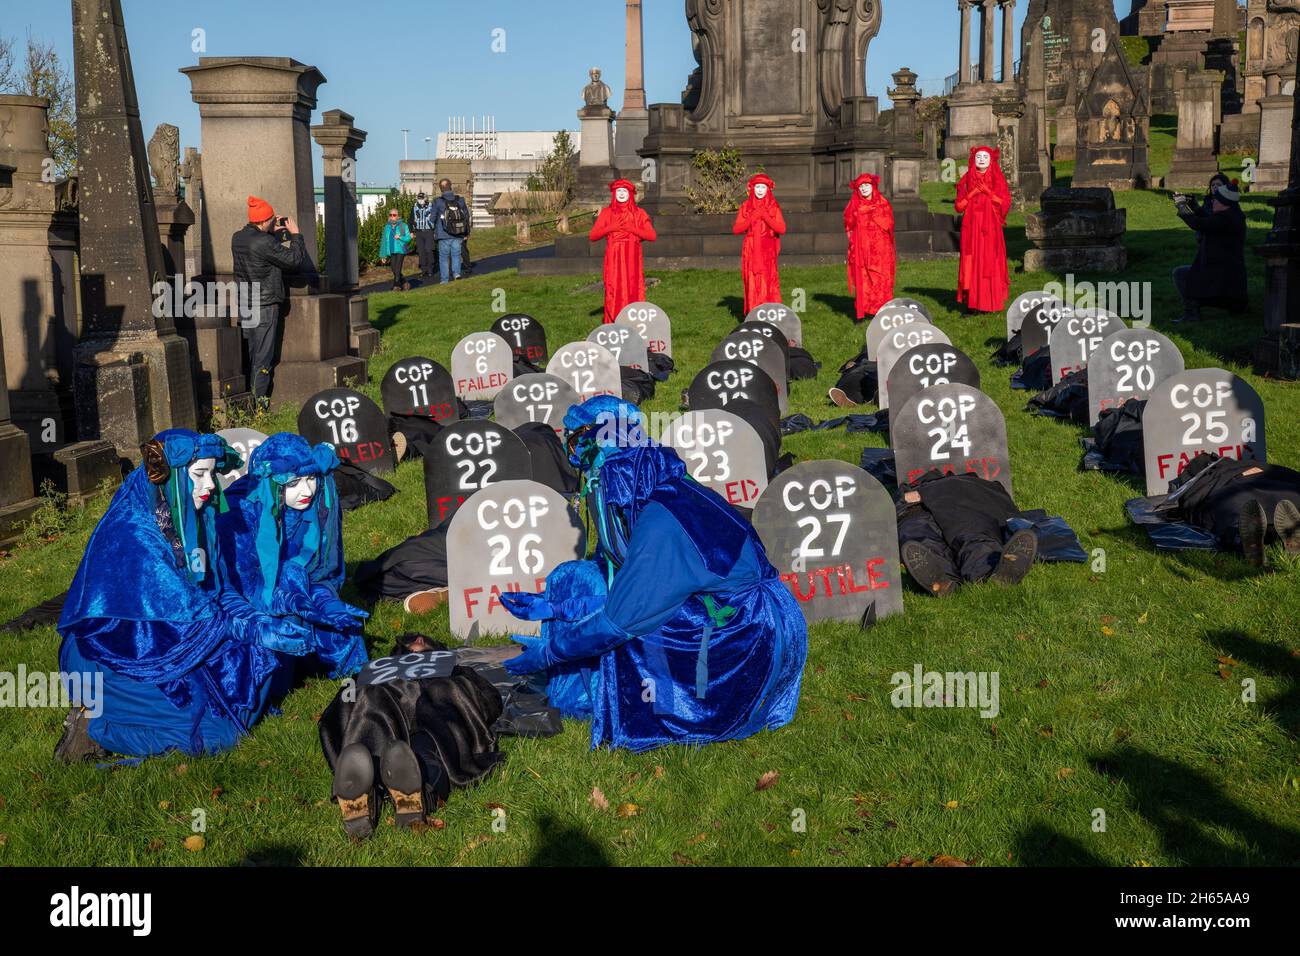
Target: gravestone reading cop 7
{"type": "Point", "coordinates": [783, 317]}
{"type": "Point", "coordinates": [420, 386]}
{"type": "Point", "coordinates": [481, 364]}
{"type": "Point", "coordinates": [887, 320]}
{"type": "Point", "coordinates": [353, 424]}
{"type": "Point", "coordinates": [721, 451]}
{"type": "Point", "coordinates": [590, 368]}
{"type": "Point", "coordinates": [467, 456]}
{"type": "Point", "coordinates": [831, 531]}
{"type": "Point", "coordinates": [1198, 411]}
{"type": "Point", "coordinates": [244, 441]}
{"type": "Point", "coordinates": [537, 397]}
{"type": "Point", "coordinates": [1025, 304]}
{"type": "Point", "coordinates": [747, 344]}
{"type": "Point", "coordinates": [506, 537]}
{"type": "Point", "coordinates": [525, 334]}
{"type": "Point", "coordinates": [1076, 337]}
{"type": "Point", "coordinates": [721, 382]}
{"type": "Point", "coordinates": [1129, 364]}
{"type": "Point", "coordinates": [1039, 322]}
{"type": "Point", "coordinates": [653, 324]}
{"type": "Point", "coordinates": [953, 428]}
{"type": "Point", "coordinates": [921, 366]}
{"type": "Point", "coordinates": [894, 344]}
{"type": "Point", "coordinates": [624, 343]}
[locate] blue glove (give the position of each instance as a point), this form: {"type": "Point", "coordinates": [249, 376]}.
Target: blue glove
{"type": "Point", "coordinates": [535, 659]}
{"type": "Point", "coordinates": [529, 607]}
{"type": "Point", "coordinates": [274, 633]}
{"type": "Point", "coordinates": [337, 614]}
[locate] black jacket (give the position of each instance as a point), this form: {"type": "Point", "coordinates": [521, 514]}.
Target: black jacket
{"type": "Point", "coordinates": [1218, 274]}
{"type": "Point", "coordinates": [260, 257]}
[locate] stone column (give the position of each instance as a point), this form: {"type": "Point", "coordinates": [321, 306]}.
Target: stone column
{"type": "Point", "coordinates": [192, 172]}
{"type": "Point", "coordinates": [1008, 41]}
{"type": "Point", "coordinates": [633, 118]}
{"type": "Point", "coordinates": [16, 490]}
{"type": "Point", "coordinates": [1276, 121]}
{"type": "Point", "coordinates": [986, 41]}
{"type": "Point", "coordinates": [963, 70]}
{"type": "Point", "coordinates": [1280, 347]}
{"type": "Point", "coordinates": [1194, 160]}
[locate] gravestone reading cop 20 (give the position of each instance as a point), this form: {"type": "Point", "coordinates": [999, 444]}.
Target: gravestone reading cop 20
{"type": "Point", "coordinates": [1076, 337]}
{"type": "Point", "coordinates": [921, 366]}
{"type": "Point", "coordinates": [747, 344]}
{"type": "Point", "coordinates": [525, 334]}
{"type": "Point", "coordinates": [1129, 364]}
{"type": "Point", "coordinates": [353, 424]}
{"type": "Point", "coordinates": [721, 382]}
{"type": "Point", "coordinates": [538, 397]}
{"type": "Point", "coordinates": [590, 368]}
{"type": "Point", "coordinates": [481, 364]}
{"type": "Point", "coordinates": [887, 320]}
{"type": "Point", "coordinates": [467, 456]}
{"type": "Point", "coordinates": [244, 441]}
{"type": "Point", "coordinates": [831, 531]}
{"type": "Point", "coordinates": [419, 386]}
{"type": "Point", "coordinates": [953, 428]}
{"type": "Point", "coordinates": [1038, 325]}
{"type": "Point", "coordinates": [783, 317]}
{"type": "Point", "coordinates": [894, 344]}
{"type": "Point", "coordinates": [1198, 411]}
{"type": "Point", "coordinates": [653, 324]}
{"type": "Point", "coordinates": [721, 451]}
{"type": "Point", "coordinates": [506, 537]}
{"type": "Point", "coordinates": [1025, 304]}
{"type": "Point", "coordinates": [624, 343]}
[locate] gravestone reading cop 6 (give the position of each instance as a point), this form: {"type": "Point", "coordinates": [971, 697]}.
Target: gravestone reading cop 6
{"type": "Point", "coordinates": [481, 364]}
{"type": "Point", "coordinates": [506, 537]}
{"type": "Point", "coordinates": [353, 424]}
{"type": "Point", "coordinates": [1198, 411]}
{"type": "Point", "coordinates": [832, 533]}
{"type": "Point", "coordinates": [721, 382]}
{"type": "Point", "coordinates": [721, 451]}
{"type": "Point", "coordinates": [1039, 322]}
{"type": "Point", "coordinates": [590, 368]}
{"type": "Point", "coordinates": [921, 366]}
{"type": "Point", "coordinates": [420, 386]}
{"type": "Point", "coordinates": [525, 334]}
{"type": "Point", "coordinates": [953, 428]}
{"type": "Point", "coordinates": [538, 397]}
{"type": "Point", "coordinates": [894, 344]}
{"type": "Point", "coordinates": [783, 317]}
{"type": "Point", "coordinates": [467, 456]}
{"type": "Point", "coordinates": [1076, 337]}
{"type": "Point", "coordinates": [624, 343]}
{"type": "Point", "coordinates": [653, 324]}
{"type": "Point", "coordinates": [1129, 364]}
{"type": "Point", "coordinates": [1024, 305]}
{"type": "Point", "coordinates": [887, 320]}
{"type": "Point", "coordinates": [747, 344]}
{"type": "Point", "coordinates": [244, 441]}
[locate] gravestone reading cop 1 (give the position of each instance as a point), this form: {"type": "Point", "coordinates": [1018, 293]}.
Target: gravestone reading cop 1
{"type": "Point", "coordinates": [921, 366]}
{"type": "Point", "coordinates": [1024, 305]}
{"type": "Point", "coordinates": [590, 368]}
{"type": "Point", "coordinates": [747, 344]}
{"type": "Point", "coordinates": [951, 428]}
{"type": "Point", "coordinates": [244, 441]}
{"type": "Point", "coordinates": [887, 320]}
{"type": "Point", "coordinates": [653, 324]}
{"type": "Point", "coordinates": [481, 364]}
{"type": "Point", "coordinates": [1076, 337]}
{"type": "Point", "coordinates": [831, 531]}
{"type": "Point", "coordinates": [894, 344]}
{"type": "Point", "coordinates": [419, 386]}
{"type": "Point", "coordinates": [1129, 364]}
{"type": "Point", "coordinates": [353, 424]}
{"type": "Point", "coordinates": [525, 334]}
{"type": "Point", "coordinates": [783, 317]}
{"type": "Point", "coordinates": [721, 382]}
{"type": "Point", "coordinates": [506, 537]}
{"type": "Point", "coordinates": [1038, 325]}
{"type": "Point", "coordinates": [624, 343]}
{"type": "Point", "coordinates": [467, 456]}
{"type": "Point", "coordinates": [1197, 411]}
{"type": "Point", "coordinates": [538, 397]}
{"type": "Point", "coordinates": [721, 451]}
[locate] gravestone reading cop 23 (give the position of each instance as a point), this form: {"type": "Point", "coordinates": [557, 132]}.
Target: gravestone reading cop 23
{"type": "Point", "coordinates": [887, 320]}
{"type": "Point", "coordinates": [921, 366]}
{"type": "Point", "coordinates": [353, 424]}
{"type": "Point", "coordinates": [953, 428]}
{"type": "Point", "coordinates": [1076, 337]}
{"type": "Point", "coordinates": [244, 441]}
{"type": "Point", "coordinates": [590, 368]}
{"type": "Point", "coordinates": [783, 317]}
{"type": "Point", "coordinates": [1129, 364]}
{"type": "Point", "coordinates": [481, 364]}
{"type": "Point", "coordinates": [721, 382]}
{"type": "Point", "coordinates": [653, 324]}
{"type": "Point", "coordinates": [624, 343]}
{"type": "Point", "coordinates": [537, 397]}
{"type": "Point", "coordinates": [721, 451]}
{"type": "Point", "coordinates": [525, 334]}
{"type": "Point", "coordinates": [894, 344]}
{"type": "Point", "coordinates": [419, 386]}
{"type": "Point", "coordinates": [747, 344]}
{"type": "Point", "coordinates": [467, 456]}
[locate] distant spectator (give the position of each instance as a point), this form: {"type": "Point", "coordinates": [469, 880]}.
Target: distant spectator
{"type": "Point", "coordinates": [422, 224]}
{"type": "Point", "coordinates": [394, 246]}
{"type": "Point", "coordinates": [1217, 276]}
{"type": "Point", "coordinates": [452, 218]}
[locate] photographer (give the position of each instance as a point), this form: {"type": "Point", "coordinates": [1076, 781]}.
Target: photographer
{"type": "Point", "coordinates": [1217, 276]}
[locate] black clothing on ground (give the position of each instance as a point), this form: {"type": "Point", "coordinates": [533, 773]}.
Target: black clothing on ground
{"type": "Point", "coordinates": [961, 519]}
{"type": "Point", "coordinates": [417, 564]}
{"type": "Point", "coordinates": [661, 366]}
{"type": "Point", "coordinates": [260, 257]}
{"type": "Point", "coordinates": [551, 464]}
{"type": "Point", "coordinates": [858, 379]}
{"type": "Point", "coordinates": [357, 487]}
{"type": "Point", "coordinates": [1211, 491]}
{"type": "Point", "coordinates": [1116, 443]}
{"type": "Point", "coordinates": [638, 386]}
{"type": "Point", "coordinates": [768, 433]}
{"type": "Point", "coordinates": [1068, 398]}
{"type": "Point", "coordinates": [800, 364]}
{"type": "Point", "coordinates": [418, 430]}
{"type": "Point", "coordinates": [1010, 352]}
{"type": "Point", "coordinates": [1035, 372]}
{"type": "Point", "coordinates": [45, 614]}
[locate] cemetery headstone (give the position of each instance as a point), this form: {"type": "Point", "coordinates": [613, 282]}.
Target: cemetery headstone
{"type": "Point", "coordinates": [1076, 337]}
{"type": "Point", "coordinates": [653, 324]}
{"type": "Point", "coordinates": [890, 319]}
{"type": "Point", "coordinates": [624, 343]}
{"type": "Point", "coordinates": [747, 344]}
{"type": "Point", "coordinates": [244, 441]}
{"type": "Point", "coordinates": [783, 317]}
{"type": "Point", "coordinates": [539, 397]}
{"type": "Point", "coordinates": [1129, 364]}
{"type": "Point", "coordinates": [1039, 322]}
{"type": "Point", "coordinates": [894, 344]}
{"type": "Point", "coordinates": [903, 302]}
{"type": "Point", "coordinates": [353, 424]}
{"type": "Point", "coordinates": [935, 363]}
{"type": "Point", "coordinates": [721, 451]}
{"type": "Point", "coordinates": [1026, 304]}
{"type": "Point", "coordinates": [953, 428]}
{"type": "Point", "coordinates": [467, 456]}
{"type": "Point", "coordinates": [721, 382]}
{"type": "Point", "coordinates": [590, 368]}
{"type": "Point", "coordinates": [525, 334]}
{"type": "Point", "coordinates": [481, 364]}
{"type": "Point", "coordinates": [420, 386]}
{"type": "Point", "coordinates": [772, 331]}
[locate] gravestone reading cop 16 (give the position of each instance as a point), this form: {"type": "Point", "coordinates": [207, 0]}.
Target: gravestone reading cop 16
{"type": "Point", "coordinates": [624, 343]}
{"type": "Point", "coordinates": [783, 317]}
{"type": "Point", "coordinates": [721, 382]}
{"type": "Point", "coordinates": [481, 364]}
{"type": "Point", "coordinates": [951, 428]}
{"type": "Point", "coordinates": [1198, 411]}
{"type": "Point", "coordinates": [747, 344]}
{"type": "Point", "coordinates": [506, 537]}
{"type": "Point", "coordinates": [590, 368]}
{"type": "Point", "coordinates": [887, 320]}
{"type": "Point", "coordinates": [353, 424]}
{"type": "Point", "coordinates": [467, 456]}
{"type": "Point", "coordinates": [894, 344]}
{"type": "Point", "coordinates": [525, 334]}
{"type": "Point", "coordinates": [1129, 364]}
{"type": "Point", "coordinates": [420, 386]}
{"type": "Point", "coordinates": [1024, 305]}
{"type": "Point", "coordinates": [1039, 322]}
{"type": "Point", "coordinates": [924, 365]}
{"type": "Point", "coordinates": [538, 397]}
{"type": "Point", "coordinates": [653, 324]}
{"type": "Point", "coordinates": [721, 451]}
{"type": "Point", "coordinates": [244, 441]}
{"type": "Point", "coordinates": [831, 531]}
{"type": "Point", "coordinates": [1076, 337]}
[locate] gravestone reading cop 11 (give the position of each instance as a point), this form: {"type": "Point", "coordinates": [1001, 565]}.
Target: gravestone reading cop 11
{"type": "Point", "coordinates": [481, 364]}
{"type": "Point", "coordinates": [624, 343]}
{"type": "Point", "coordinates": [747, 344]}
{"type": "Point", "coordinates": [1024, 305]}
{"type": "Point", "coordinates": [1129, 364]}
{"type": "Point", "coordinates": [353, 424]}
{"type": "Point", "coordinates": [894, 344]}
{"type": "Point", "coordinates": [1039, 322]}
{"type": "Point", "coordinates": [420, 386]}
{"type": "Point", "coordinates": [538, 397]}
{"type": "Point", "coordinates": [1198, 411]}
{"type": "Point", "coordinates": [831, 531]}
{"type": "Point", "coordinates": [467, 456]}
{"type": "Point", "coordinates": [244, 441]}
{"type": "Point", "coordinates": [887, 320]}
{"type": "Point", "coordinates": [783, 317]}
{"type": "Point", "coordinates": [653, 324]}
{"type": "Point", "coordinates": [590, 368]}
{"type": "Point", "coordinates": [506, 537]}
{"type": "Point", "coordinates": [951, 428]}
{"type": "Point", "coordinates": [721, 382]}
{"type": "Point", "coordinates": [525, 334]}
{"type": "Point", "coordinates": [721, 451]}
{"type": "Point", "coordinates": [924, 365]}
{"type": "Point", "coordinates": [1076, 337]}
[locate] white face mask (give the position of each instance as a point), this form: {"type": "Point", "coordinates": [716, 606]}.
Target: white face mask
{"type": "Point", "coordinates": [760, 190]}
{"type": "Point", "coordinates": [866, 190]}
{"type": "Point", "coordinates": [298, 494]}
{"type": "Point", "coordinates": [203, 476]}
{"type": "Point", "coordinates": [982, 159]}
{"type": "Point", "coordinates": [621, 194]}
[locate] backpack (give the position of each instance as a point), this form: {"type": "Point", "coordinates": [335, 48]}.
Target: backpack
{"type": "Point", "coordinates": [454, 219]}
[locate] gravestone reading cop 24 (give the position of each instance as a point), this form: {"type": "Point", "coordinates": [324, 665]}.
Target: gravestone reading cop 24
{"type": "Point", "coordinates": [1129, 364]}
{"type": "Point", "coordinates": [1076, 337]}
{"type": "Point", "coordinates": [887, 320]}
{"type": "Point", "coordinates": [831, 531]}
{"type": "Point", "coordinates": [721, 382]}
{"type": "Point", "coordinates": [1038, 325]}
{"type": "Point", "coordinates": [653, 324]}
{"type": "Point", "coordinates": [747, 344]}
{"type": "Point", "coordinates": [1024, 305]}
{"type": "Point", "coordinates": [783, 317]}
{"type": "Point", "coordinates": [538, 397]}
{"type": "Point", "coordinates": [506, 537]}
{"type": "Point", "coordinates": [921, 366]}
{"type": "Point", "coordinates": [590, 368]}
{"type": "Point", "coordinates": [481, 364]}
{"type": "Point", "coordinates": [353, 424]}
{"type": "Point", "coordinates": [721, 451]}
{"type": "Point", "coordinates": [894, 344]}
{"type": "Point", "coordinates": [624, 343]}
{"type": "Point", "coordinates": [467, 456]}
{"type": "Point", "coordinates": [953, 428]}
{"type": "Point", "coordinates": [244, 441]}
{"type": "Point", "coordinates": [419, 386]}
{"type": "Point", "coordinates": [1198, 411]}
{"type": "Point", "coordinates": [525, 334]}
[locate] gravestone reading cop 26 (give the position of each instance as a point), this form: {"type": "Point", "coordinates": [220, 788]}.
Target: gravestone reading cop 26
{"type": "Point", "coordinates": [506, 537]}
{"type": "Point", "coordinates": [831, 531]}
{"type": "Point", "coordinates": [721, 451]}
{"type": "Point", "coordinates": [525, 334]}
{"type": "Point", "coordinates": [952, 428]}
{"type": "Point", "coordinates": [481, 364]}
{"type": "Point", "coordinates": [419, 386]}
{"type": "Point", "coordinates": [1198, 411]}
{"type": "Point", "coordinates": [624, 343]}
{"type": "Point", "coordinates": [653, 324]}
{"type": "Point", "coordinates": [244, 441]}
{"type": "Point", "coordinates": [1024, 305]}
{"type": "Point", "coordinates": [894, 344]}
{"type": "Point", "coordinates": [538, 397]}
{"type": "Point", "coordinates": [1129, 364]}
{"type": "Point", "coordinates": [590, 368]}
{"type": "Point", "coordinates": [1038, 325]}
{"type": "Point", "coordinates": [783, 317]}
{"type": "Point", "coordinates": [721, 382]}
{"type": "Point", "coordinates": [467, 456]}
{"type": "Point", "coordinates": [747, 344]}
{"type": "Point", "coordinates": [921, 366]}
{"type": "Point", "coordinates": [353, 424]}
{"type": "Point", "coordinates": [1076, 337]}
{"type": "Point", "coordinates": [887, 320]}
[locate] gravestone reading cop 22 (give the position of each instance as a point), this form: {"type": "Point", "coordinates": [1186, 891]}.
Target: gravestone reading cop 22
{"type": "Point", "coordinates": [244, 441]}
{"type": "Point", "coordinates": [467, 456]}
{"type": "Point", "coordinates": [894, 344]}
{"type": "Point", "coordinates": [590, 368]}
{"type": "Point", "coordinates": [721, 382]}
{"type": "Point", "coordinates": [887, 320]}
{"type": "Point", "coordinates": [921, 366]}
{"type": "Point", "coordinates": [1024, 305]}
{"type": "Point", "coordinates": [1129, 364]}
{"type": "Point", "coordinates": [481, 364]}
{"type": "Point", "coordinates": [1076, 337]}
{"type": "Point", "coordinates": [653, 324]}
{"type": "Point", "coordinates": [419, 386]}
{"type": "Point", "coordinates": [353, 424]}
{"type": "Point", "coordinates": [747, 344]}
{"type": "Point", "coordinates": [721, 451]}
{"type": "Point", "coordinates": [953, 428]}
{"type": "Point", "coordinates": [624, 343]}
{"type": "Point", "coordinates": [783, 317]}
{"type": "Point", "coordinates": [831, 531]}
{"type": "Point", "coordinates": [538, 397]}
{"type": "Point", "coordinates": [525, 334]}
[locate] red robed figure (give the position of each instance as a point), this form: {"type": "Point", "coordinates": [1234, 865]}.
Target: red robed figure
{"type": "Point", "coordinates": [983, 201]}
{"type": "Point", "coordinates": [869, 224]}
{"type": "Point", "coordinates": [763, 225]}
{"type": "Point", "coordinates": [623, 226]}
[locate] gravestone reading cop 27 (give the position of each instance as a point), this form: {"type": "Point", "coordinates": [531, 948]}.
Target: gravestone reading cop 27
{"type": "Point", "coordinates": [953, 428]}
{"type": "Point", "coordinates": [1025, 304]}
{"type": "Point", "coordinates": [590, 368]}
{"type": "Point", "coordinates": [894, 344]}
{"type": "Point", "coordinates": [1076, 337]}
{"type": "Point", "coordinates": [653, 324]}
{"type": "Point", "coordinates": [467, 456]}
{"type": "Point", "coordinates": [924, 365]}
{"type": "Point", "coordinates": [538, 397]}
{"type": "Point", "coordinates": [747, 344]}
{"type": "Point", "coordinates": [721, 451]}
{"type": "Point", "coordinates": [419, 386]}
{"type": "Point", "coordinates": [525, 334]}
{"type": "Point", "coordinates": [1129, 364]}
{"type": "Point", "coordinates": [1198, 411]}
{"type": "Point", "coordinates": [353, 424]}
{"type": "Point", "coordinates": [481, 364]}
{"type": "Point", "coordinates": [783, 317]}
{"type": "Point", "coordinates": [721, 382]}
{"type": "Point", "coordinates": [831, 531]}
{"type": "Point", "coordinates": [624, 342]}
{"type": "Point", "coordinates": [244, 441]}
{"type": "Point", "coordinates": [887, 320]}
{"type": "Point", "coordinates": [506, 537]}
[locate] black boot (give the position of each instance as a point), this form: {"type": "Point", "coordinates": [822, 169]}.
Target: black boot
{"type": "Point", "coordinates": [927, 570]}
{"type": "Point", "coordinates": [1017, 558]}
{"type": "Point", "coordinates": [401, 772]}
{"type": "Point", "coordinates": [1252, 525]}
{"type": "Point", "coordinates": [354, 788]}
{"type": "Point", "coordinates": [1286, 522]}
{"type": "Point", "coordinates": [76, 745]}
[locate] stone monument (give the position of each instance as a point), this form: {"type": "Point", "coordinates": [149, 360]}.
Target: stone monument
{"type": "Point", "coordinates": [174, 215]}
{"type": "Point", "coordinates": [633, 118]}
{"type": "Point", "coordinates": [1076, 230]}
{"type": "Point", "coordinates": [1199, 34]}
{"type": "Point", "coordinates": [17, 502]}
{"type": "Point", "coordinates": [1113, 126]}
{"type": "Point", "coordinates": [1195, 156]}
{"type": "Point", "coordinates": [971, 120]}
{"type": "Point", "coordinates": [596, 169]}
{"type": "Point", "coordinates": [191, 171]}
{"type": "Point", "coordinates": [1271, 40]}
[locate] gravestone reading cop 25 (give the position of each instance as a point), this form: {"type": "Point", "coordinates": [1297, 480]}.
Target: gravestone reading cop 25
{"type": "Point", "coordinates": [721, 382]}
{"type": "Point", "coordinates": [525, 334]}
{"type": "Point", "coordinates": [952, 428]}
{"type": "Point", "coordinates": [624, 343]}
{"type": "Point", "coordinates": [481, 364]}
{"type": "Point", "coordinates": [1025, 304]}
{"type": "Point", "coordinates": [921, 366]}
{"type": "Point", "coordinates": [538, 397]}
{"type": "Point", "coordinates": [467, 456]}
{"type": "Point", "coordinates": [244, 441]}
{"type": "Point", "coordinates": [506, 537]}
{"type": "Point", "coordinates": [887, 320]}
{"type": "Point", "coordinates": [419, 386]}
{"type": "Point", "coordinates": [1198, 411]}
{"type": "Point", "coordinates": [721, 451]}
{"type": "Point", "coordinates": [1129, 364]}
{"type": "Point", "coordinates": [653, 324]}
{"type": "Point", "coordinates": [1076, 337]}
{"type": "Point", "coordinates": [353, 424]}
{"type": "Point", "coordinates": [831, 531]}
{"type": "Point", "coordinates": [894, 344]}
{"type": "Point", "coordinates": [590, 368]}
{"type": "Point", "coordinates": [747, 344]}
{"type": "Point", "coordinates": [783, 317]}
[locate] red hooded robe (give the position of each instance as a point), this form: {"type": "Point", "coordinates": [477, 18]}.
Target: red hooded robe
{"type": "Point", "coordinates": [869, 224]}
{"type": "Point", "coordinates": [763, 225]}
{"type": "Point", "coordinates": [983, 201]}
{"type": "Point", "coordinates": [623, 226]}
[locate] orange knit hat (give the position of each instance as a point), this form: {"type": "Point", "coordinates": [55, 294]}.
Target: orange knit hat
{"type": "Point", "coordinates": [259, 210]}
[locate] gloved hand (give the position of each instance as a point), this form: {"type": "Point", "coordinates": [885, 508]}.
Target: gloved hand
{"type": "Point", "coordinates": [274, 633]}
{"type": "Point", "coordinates": [336, 614]}
{"type": "Point", "coordinates": [535, 659]}
{"type": "Point", "coordinates": [526, 606]}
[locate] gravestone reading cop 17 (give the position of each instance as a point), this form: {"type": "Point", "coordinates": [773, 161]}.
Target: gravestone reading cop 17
{"type": "Point", "coordinates": [481, 364]}
{"type": "Point", "coordinates": [951, 428]}
{"type": "Point", "coordinates": [506, 537]}
{"type": "Point", "coordinates": [1024, 305]}
{"type": "Point", "coordinates": [244, 441]}
{"type": "Point", "coordinates": [590, 368]}
{"type": "Point", "coordinates": [747, 344]}
{"type": "Point", "coordinates": [353, 424]}
{"type": "Point", "coordinates": [721, 451]}
{"type": "Point", "coordinates": [831, 531]}
{"type": "Point", "coordinates": [420, 386]}
{"type": "Point", "coordinates": [525, 334]}
{"type": "Point", "coordinates": [467, 456]}
{"type": "Point", "coordinates": [1076, 337]}
{"type": "Point", "coordinates": [783, 317]}
{"type": "Point", "coordinates": [653, 324]}
{"type": "Point", "coordinates": [894, 344]}
{"type": "Point", "coordinates": [1039, 322]}
{"type": "Point", "coordinates": [538, 397]}
{"type": "Point", "coordinates": [1129, 364]}
{"type": "Point", "coordinates": [887, 320]}
{"type": "Point", "coordinates": [624, 343]}
{"type": "Point", "coordinates": [1198, 411]}
{"type": "Point", "coordinates": [721, 382]}
{"type": "Point", "coordinates": [921, 366]}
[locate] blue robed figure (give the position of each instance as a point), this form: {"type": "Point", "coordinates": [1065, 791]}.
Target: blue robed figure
{"type": "Point", "coordinates": [681, 631]}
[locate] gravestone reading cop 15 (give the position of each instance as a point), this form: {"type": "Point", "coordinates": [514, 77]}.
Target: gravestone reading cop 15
{"type": "Point", "coordinates": [921, 366]}
{"type": "Point", "coordinates": [538, 397]}
{"type": "Point", "coordinates": [481, 364]}
{"type": "Point", "coordinates": [590, 368]}
{"type": "Point", "coordinates": [1076, 337]}
{"type": "Point", "coordinates": [525, 334]}
{"type": "Point", "coordinates": [887, 320]}
{"type": "Point", "coordinates": [624, 343]}
{"type": "Point", "coordinates": [353, 424]}
{"type": "Point", "coordinates": [952, 428]}
{"type": "Point", "coordinates": [747, 344]}
{"type": "Point", "coordinates": [721, 382]}
{"type": "Point", "coordinates": [721, 451]}
{"type": "Point", "coordinates": [421, 387]}
{"type": "Point", "coordinates": [1129, 364]}
{"type": "Point", "coordinates": [653, 324]}
{"type": "Point", "coordinates": [783, 317]}
{"type": "Point", "coordinates": [467, 456]}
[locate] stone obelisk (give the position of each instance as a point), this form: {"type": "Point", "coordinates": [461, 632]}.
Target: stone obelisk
{"type": "Point", "coordinates": [633, 118]}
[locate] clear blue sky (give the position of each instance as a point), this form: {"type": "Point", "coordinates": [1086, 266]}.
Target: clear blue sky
{"type": "Point", "coordinates": [412, 63]}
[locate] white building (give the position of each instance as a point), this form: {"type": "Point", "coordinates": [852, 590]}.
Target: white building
{"type": "Point", "coordinates": [369, 198]}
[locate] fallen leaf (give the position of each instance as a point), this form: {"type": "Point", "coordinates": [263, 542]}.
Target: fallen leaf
{"type": "Point", "coordinates": [216, 793]}
{"type": "Point", "coordinates": [1227, 660]}
{"type": "Point", "coordinates": [1225, 674]}
{"type": "Point", "coordinates": [1142, 618]}
{"type": "Point", "coordinates": [164, 804]}
{"type": "Point", "coordinates": [598, 800]}
{"type": "Point", "coordinates": [626, 810]}
{"type": "Point", "coordinates": [1108, 619]}
{"type": "Point", "coordinates": [943, 859]}
{"type": "Point", "coordinates": [697, 839]}
{"type": "Point", "coordinates": [439, 823]}
{"type": "Point", "coordinates": [194, 843]}
{"type": "Point", "coordinates": [659, 772]}
{"type": "Point", "coordinates": [1064, 772]}
{"type": "Point", "coordinates": [181, 768]}
{"type": "Point", "coordinates": [846, 715]}
{"type": "Point", "coordinates": [951, 805]}
{"type": "Point", "coordinates": [155, 845]}
{"type": "Point", "coordinates": [681, 859]}
{"type": "Point", "coordinates": [1042, 683]}
{"type": "Point", "coordinates": [857, 697]}
{"type": "Point", "coordinates": [768, 780]}
{"type": "Point", "coordinates": [1108, 631]}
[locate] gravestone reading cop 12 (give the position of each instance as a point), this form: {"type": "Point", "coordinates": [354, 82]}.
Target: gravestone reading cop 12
{"type": "Point", "coordinates": [467, 456]}
{"type": "Point", "coordinates": [525, 334]}
{"type": "Point", "coordinates": [721, 382]}
{"type": "Point", "coordinates": [894, 344]}
{"type": "Point", "coordinates": [1024, 305]}
{"type": "Point", "coordinates": [783, 317]}
{"type": "Point", "coordinates": [590, 368]}
{"type": "Point", "coordinates": [538, 397]}
{"type": "Point", "coordinates": [506, 537]}
{"type": "Point", "coordinates": [831, 531]}
{"type": "Point", "coordinates": [1039, 322]}
{"type": "Point", "coordinates": [921, 366]}
{"type": "Point", "coordinates": [1129, 364]}
{"type": "Point", "coordinates": [1198, 411]}
{"type": "Point", "coordinates": [951, 428]}
{"type": "Point", "coordinates": [653, 324]}
{"type": "Point", "coordinates": [747, 344]}
{"type": "Point", "coordinates": [887, 320]}
{"type": "Point", "coordinates": [1076, 337]}
{"type": "Point", "coordinates": [353, 424]}
{"type": "Point", "coordinates": [624, 343]}
{"type": "Point", "coordinates": [721, 451]}
{"type": "Point", "coordinates": [481, 364]}
{"type": "Point", "coordinates": [420, 386]}
{"type": "Point", "coordinates": [244, 441]}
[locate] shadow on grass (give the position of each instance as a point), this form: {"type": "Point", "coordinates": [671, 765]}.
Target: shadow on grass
{"type": "Point", "coordinates": [734, 304]}
{"type": "Point", "coordinates": [273, 854]}
{"type": "Point", "coordinates": [1040, 845]}
{"type": "Point", "coordinates": [388, 316]}
{"type": "Point", "coordinates": [564, 845]}
{"type": "Point", "coordinates": [839, 304]}
{"type": "Point", "coordinates": [1272, 660]}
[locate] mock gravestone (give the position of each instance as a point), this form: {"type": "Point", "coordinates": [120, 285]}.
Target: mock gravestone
{"type": "Point", "coordinates": [1198, 411]}
{"type": "Point", "coordinates": [831, 531]}
{"type": "Point", "coordinates": [935, 363]}
{"type": "Point", "coordinates": [772, 332]}
{"type": "Point", "coordinates": [525, 334]}
{"type": "Point", "coordinates": [420, 386]}
{"type": "Point", "coordinates": [1129, 364]}
{"type": "Point", "coordinates": [1039, 322]}
{"type": "Point", "coordinates": [353, 424]}
{"type": "Point", "coordinates": [624, 342]}
{"type": "Point", "coordinates": [721, 382]}
{"type": "Point", "coordinates": [721, 451]}
{"type": "Point", "coordinates": [506, 537]}
{"type": "Point", "coordinates": [590, 368]}
{"type": "Point", "coordinates": [481, 365]}
{"type": "Point", "coordinates": [783, 317]}
{"type": "Point", "coordinates": [653, 324]}
{"type": "Point", "coordinates": [244, 441]}
{"type": "Point", "coordinates": [539, 397]}
{"type": "Point", "coordinates": [467, 456]}
{"type": "Point", "coordinates": [1076, 337]}
{"type": "Point", "coordinates": [903, 302]}
{"type": "Point", "coordinates": [954, 429]}
{"type": "Point", "coordinates": [894, 344]}
{"type": "Point", "coordinates": [747, 344]}
{"type": "Point", "coordinates": [1025, 305]}
{"type": "Point", "coordinates": [890, 319]}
